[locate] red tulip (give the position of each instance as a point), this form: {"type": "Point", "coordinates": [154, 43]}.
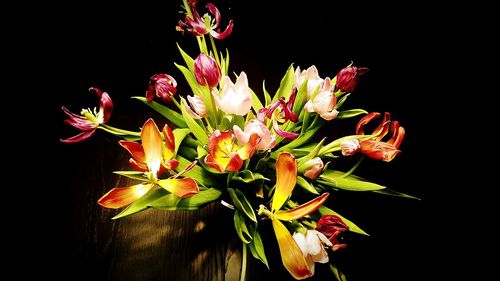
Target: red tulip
{"type": "Point", "coordinates": [207, 71]}
{"type": "Point", "coordinates": [347, 78]}
{"type": "Point", "coordinates": [199, 26]}
{"type": "Point", "coordinates": [332, 226]}
{"type": "Point", "coordinates": [162, 86]}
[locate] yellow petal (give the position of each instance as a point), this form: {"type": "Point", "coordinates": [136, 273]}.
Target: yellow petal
{"type": "Point", "coordinates": [153, 145]}
{"type": "Point", "coordinates": [181, 187]}
{"type": "Point", "coordinates": [302, 210]}
{"type": "Point", "coordinates": [286, 178]}
{"type": "Point", "coordinates": [168, 153]}
{"type": "Point", "coordinates": [291, 255]}
{"type": "Point", "coordinates": [123, 196]}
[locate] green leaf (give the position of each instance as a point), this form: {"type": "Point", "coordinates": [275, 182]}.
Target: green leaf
{"type": "Point", "coordinates": [302, 139]}
{"type": "Point", "coordinates": [350, 113]}
{"type": "Point", "coordinates": [351, 183]}
{"type": "Point", "coordinates": [241, 227]}
{"type": "Point", "coordinates": [341, 101]}
{"type": "Point", "coordinates": [286, 85]}
{"type": "Point", "coordinates": [179, 135]}
{"type": "Point", "coordinates": [201, 152]}
{"type": "Point", "coordinates": [256, 103]}
{"type": "Point", "coordinates": [130, 137]}
{"type": "Point", "coordinates": [310, 155]}
{"type": "Point", "coordinates": [195, 128]}
{"type": "Point", "coordinates": [301, 98]}
{"type": "Point", "coordinates": [335, 145]}
{"type": "Point", "coordinates": [227, 62]}
{"type": "Point", "coordinates": [390, 192]}
{"type": "Point", "coordinates": [187, 59]}
{"type": "Point", "coordinates": [168, 113]}
{"type": "Point", "coordinates": [267, 96]}
{"type": "Point", "coordinates": [199, 174]}
{"type": "Point", "coordinates": [257, 247]}
{"type": "Point", "coordinates": [172, 202]}
{"type": "Point", "coordinates": [132, 175]}
{"type": "Point", "coordinates": [201, 91]}
{"type": "Point", "coordinates": [241, 203]}
{"type": "Point", "coordinates": [142, 203]}
{"type": "Point", "coordinates": [248, 176]}
{"type": "Point", "coordinates": [323, 210]}
{"type": "Point", "coordinates": [337, 273]}
{"type": "Point", "coordinates": [306, 185]}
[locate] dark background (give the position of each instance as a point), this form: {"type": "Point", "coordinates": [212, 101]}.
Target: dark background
{"type": "Point", "coordinates": [117, 48]}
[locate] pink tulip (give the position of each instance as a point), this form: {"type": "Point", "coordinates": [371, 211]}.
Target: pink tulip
{"type": "Point", "coordinates": [199, 26]}
{"type": "Point", "coordinates": [267, 141]}
{"type": "Point", "coordinates": [207, 71]}
{"type": "Point", "coordinates": [314, 171]}
{"type": "Point", "coordinates": [197, 107]}
{"type": "Point", "coordinates": [234, 98]}
{"type": "Point", "coordinates": [312, 77]}
{"type": "Point", "coordinates": [349, 147]}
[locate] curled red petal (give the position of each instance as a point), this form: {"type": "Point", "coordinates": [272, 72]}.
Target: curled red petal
{"type": "Point", "coordinates": [78, 138]}
{"type": "Point", "coordinates": [365, 120]}
{"type": "Point", "coordinates": [223, 34]}
{"type": "Point", "coordinates": [135, 149]}
{"type": "Point", "coordinates": [235, 162]}
{"type": "Point", "coordinates": [288, 135]}
{"type": "Point", "coordinates": [210, 161]}
{"type": "Point", "coordinates": [211, 7]}
{"type": "Point", "coordinates": [106, 105]}
{"type": "Point", "coordinates": [378, 150]}
{"type": "Point", "coordinates": [138, 166]}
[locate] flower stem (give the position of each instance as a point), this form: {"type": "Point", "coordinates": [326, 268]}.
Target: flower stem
{"type": "Point", "coordinates": [117, 131]}
{"type": "Point", "coordinates": [214, 48]}
{"type": "Point", "coordinates": [243, 263]}
{"type": "Point", "coordinates": [354, 167]}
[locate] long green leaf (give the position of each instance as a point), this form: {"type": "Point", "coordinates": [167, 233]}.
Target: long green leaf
{"type": "Point", "coordinates": [256, 103]}
{"type": "Point", "coordinates": [168, 113]}
{"type": "Point", "coordinates": [267, 96]}
{"type": "Point", "coordinates": [132, 175]}
{"type": "Point", "coordinates": [323, 210]}
{"type": "Point", "coordinates": [248, 176]}
{"type": "Point", "coordinates": [201, 91]}
{"type": "Point", "coordinates": [286, 85]}
{"type": "Point", "coordinates": [341, 101]}
{"type": "Point", "coordinates": [300, 99]}
{"type": "Point", "coordinates": [187, 59]}
{"type": "Point", "coordinates": [172, 202]}
{"type": "Point", "coordinates": [195, 128]}
{"type": "Point", "coordinates": [257, 247]}
{"type": "Point", "coordinates": [350, 113]}
{"type": "Point", "coordinates": [302, 139]}
{"type": "Point", "coordinates": [179, 135]}
{"type": "Point", "coordinates": [310, 155]}
{"type": "Point", "coordinates": [337, 273]}
{"type": "Point", "coordinates": [306, 185]}
{"type": "Point", "coordinates": [142, 203]}
{"type": "Point", "coordinates": [348, 183]}
{"type": "Point", "coordinates": [241, 227]}
{"type": "Point", "coordinates": [390, 192]}
{"type": "Point", "coordinates": [241, 203]}
{"type": "Point", "coordinates": [199, 174]}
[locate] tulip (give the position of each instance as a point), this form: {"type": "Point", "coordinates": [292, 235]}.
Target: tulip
{"type": "Point", "coordinates": [312, 246]}
{"type": "Point", "coordinates": [324, 102]}
{"type": "Point", "coordinates": [225, 154]}
{"type": "Point", "coordinates": [280, 112]}
{"type": "Point", "coordinates": [266, 140]}
{"type": "Point", "coordinates": [89, 121]}
{"type": "Point", "coordinates": [311, 76]}
{"type": "Point", "coordinates": [291, 254]}
{"type": "Point", "coordinates": [348, 77]}
{"type": "Point", "coordinates": [234, 98]}
{"type": "Point", "coordinates": [349, 147]}
{"type": "Point", "coordinates": [206, 71]}
{"type": "Point", "coordinates": [316, 168]}
{"type": "Point", "coordinates": [196, 108]}
{"type": "Point", "coordinates": [153, 157]}
{"type": "Point", "coordinates": [162, 86]}
{"type": "Point", "coordinates": [332, 226]}
{"type": "Point", "coordinates": [199, 26]}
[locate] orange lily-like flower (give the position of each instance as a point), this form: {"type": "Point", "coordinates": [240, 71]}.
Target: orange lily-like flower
{"type": "Point", "coordinates": [286, 177]}
{"type": "Point", "coordinates": [153, 157]}
{"type": "Point", "coordinates": [225, 154]}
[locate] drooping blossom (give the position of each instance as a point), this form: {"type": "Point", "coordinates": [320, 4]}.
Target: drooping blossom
{"type": "Point", "coordinates": [196, 107]}
{"type": "Point", "coordinates": [312, 77]}
{"type": "Point", "coordinates": [349, 147]}
{"type": "Point", "coordinates": [332, 226]}
{"type": "Point", "coordinates": [225, 154]}
{"type": "Point", "coordinates": [162, 86]}
{"type": "Point", "coordinates": [280, 112]}
{"type": "Point", "coordinates": [312, 246]}
{"type": "Point", "coordinates": [154, 158]}
{"type": "Point", "coordinates": [199, 26]}
{"type": "Point", "coordinates": [206, 71]}
{"type": "Point", "coordinates": [234, 98]}
{"type": "Point", "coordinates": [348, 77]}
{"type": "Point", "coordinates": [266, 139]}
{"type": "Point", "coordinates": [313, 171]}
{"type": "Point", "coordinates": [89, 120]}
{"type": "Point", "coordinates": [324, 102]}
{"type": "Point", "coordinates": [286, 177]}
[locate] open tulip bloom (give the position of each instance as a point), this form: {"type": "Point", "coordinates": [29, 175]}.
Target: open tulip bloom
{"type": "Point", "coordinates": [257, 150]}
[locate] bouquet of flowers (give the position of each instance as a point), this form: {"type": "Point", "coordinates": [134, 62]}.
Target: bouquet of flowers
{"type": "Point", "coordinates": [255, 154]}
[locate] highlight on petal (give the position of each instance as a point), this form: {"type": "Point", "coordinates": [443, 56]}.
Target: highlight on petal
{"type": "Point", "coordinates": [153, 145]}
{"type": "Point", "coordinates": [249, 148]}
{"type": "Point", "coordinates": [135, 149]}
{"type": "Point", "coordinates": [378, 150]}
{"type": "Point", "coordinates": [123, 196]}
{"type": "Point", "coordinates": [302, 210]}
{"type": "Point", "coordinates": [286, 178]}
{"type": "Point", "coordinates": [398, 134]}
{"type": "Point", "coordinates": [138, 166]}
{"type": "Point", "coordinates": [365, 120]}
{"type": "Point", "coordinates": [168, 152]}
{"type": "Point", "coordinates": [181, 187]}
{"type": "Point", "coordinates": [291, 255]}
{"type": "Point", "coordinates": [235, 162]}
{"type": "Point", "coordinates": [78, 138]}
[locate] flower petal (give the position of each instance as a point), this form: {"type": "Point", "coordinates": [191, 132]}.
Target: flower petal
{"type": "Point", "coordinates": [291, 255]}
{"type": "Point", "coordinates": [223, 34]}
{"type": "Point", "coordinates": [235, 162]}
{"type": "Point", "coordinates": [288, 135]}
{"type": "Point", "coordinates": [365, 120]}
{"type": "Point", "coordinates": [211, 7]}
{"type": "Point", "coordinates": [135, 149]}
{"type": "Point", "coordinates": [398, 134]}
{"type": "Point", "coordinates": [105, 103]}
{"type": "Point", "coordinates": [138, 166]}
{"type": "Point", "coordinates": [168, 152]}
{"type": "Point", "coordinates": [181, 187]}
{"type": "Point", "coordinates": [249, 148]}
{"type": "Point", "coordinates": [78, 138]}
{"type": "Point", "coordinates": [286, 178]}
{"type": "Point", "coordinates": [152, 144]}
{"type": "Point", "coordinates": [123, 196]}
{"type": "Point", "coordinates": [302, 210]}
{"type": "Point", "coordinates": [378, 150]}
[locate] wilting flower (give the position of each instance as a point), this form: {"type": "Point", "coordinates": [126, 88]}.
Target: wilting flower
{"type": "Point", "coordinates": [162, 86]}
{"type": "Point", "coordinates": [206, 71]}
{"type": "Point", "coordinates": [324, 102]}
{"type": "Point", "coordinates": [374, 147]}
{"type": "Point", "coordinates": [286, 177]}
{"type": "Point", "coordinates": [280, 112]}
{"type": "Point", "coordinates": [88, 122]}
{"type": "Point", "coordinates": [332, 226]}
{"type": "Point", "coordinates": [199, 26]}
{"type": "Point", "coordinates": [316, 168]}
{"type": "Point", "coordinates": [312, 77]}
{"type": "Point", "coordinates": [225, 154]}
{"type": "Point", "coordinates": [151, 156]}
{"type": "Point", "coordinates": [266, 140]}
{"type": "Point", "coordinates": [349, 147]}
{"type": "Point", "coordinates": [234, 98]}
{"type": "Point", "coordinates": [312, 246]}
{"type": "Point", "coordinates": [196, 108]}
{"type": "Point", "coordinates": [348, 77]}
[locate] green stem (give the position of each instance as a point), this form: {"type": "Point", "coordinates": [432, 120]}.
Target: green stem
{"type": "Point", "coordinates": [243, 263]}
{"type": "Point", "coordinates": [354, 167]}
{"type": "Point", "coordinates": [214, 48]}
{"type": "Point", "coordinates": [117, 131]}
{"type": "Point", "coordinates": [176, 103]}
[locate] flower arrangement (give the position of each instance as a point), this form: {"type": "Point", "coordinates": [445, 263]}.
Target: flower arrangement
{"type": "Point", "coordinates": [256, 156]}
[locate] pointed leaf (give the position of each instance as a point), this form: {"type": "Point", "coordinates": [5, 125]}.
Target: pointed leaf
{"type": "Point", "coordinates": [241, 227]}
{"type": "Point", "coordinates": [313, 153]}
{"type": "Point", "coordinates": [142, 203]}
{"type": "Point", "coordinates": [341, 101]}
{"type": "Point", "coordinates": [195, 202]}
{"type": "Point", "coordinates": [132, 175]}
{"type": "Point", "coordinates": [306, 185]}
{"type": "Point", "coordinates": [350, 113]}
{"type": "Point", "coordinates": [331, 178]}
{"type": "Point", "coordinates": [256, 103]}
{"type": "Point", "coordinates": [301, 98]}
{"type": "Point", "coordinates": [337, 273]}
{"type": "Point", "coordinates": [241, 202]}
{"type": "Point", "coordinates": [199, 174]}
{"type": "Point", "coordinates": [323, 210]}
{"type": "Point", "coordinates": [248, 176]}
{"type": "Point", "coordinates": [179, 135]}
{"type": "Point", "coordinates": [267, 96]}
{"type": "Point", "coordinates": [390, 192]}
{"type": "Point", "coordinates": [187, 59]}
{"type": "Point", "coordinates": [257, 247]}
{"type": "Point", "coordinates": [168, 113]}
{"type": "Point", "coordinates": [286, 85]}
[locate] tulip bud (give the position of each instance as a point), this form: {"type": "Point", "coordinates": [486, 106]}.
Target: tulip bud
{"type": "Point", "coordinates": [314, 171]}
{"type": "Point", "coordinates": [329, 224]}
{"type": "Point", "coordinates": [347, 78]}
{"type": "Point", "coordinates": [349, 147]}
{"type": "Point", "coordinates": [206, 71]}
{"type": "Point", "coordinates": [162, 86]}
{"type": "Point", "coordinates": [197, 104]}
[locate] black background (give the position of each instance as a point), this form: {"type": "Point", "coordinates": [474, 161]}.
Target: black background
{"type": "Point", "coordinates": [117, 48]}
